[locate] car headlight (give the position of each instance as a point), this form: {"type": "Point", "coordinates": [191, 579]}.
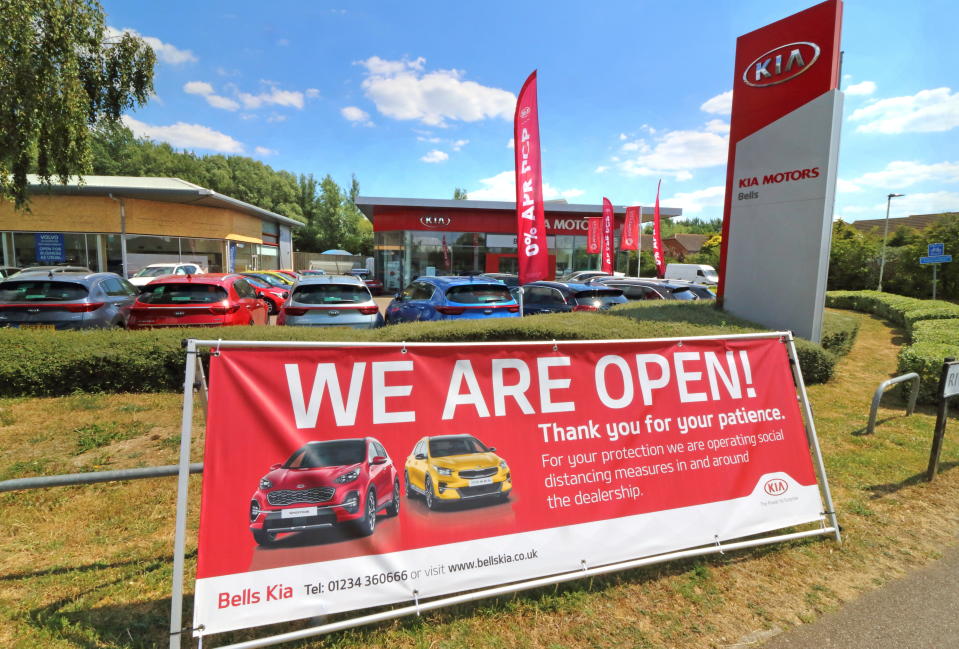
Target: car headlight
{"type": "Point", "coordinates": [442, 470]}
{"type": "Point", "coordinates": [265, 483]}
{"type": "Point", "coordinates": [503, 465]}
{"type": "Point", "coordinates": [349, 476]}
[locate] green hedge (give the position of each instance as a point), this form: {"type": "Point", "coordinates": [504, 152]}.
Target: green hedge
{"type": "Point", "coordinates": [43, 363]}
{"type": "Point", "coordinates": [932, 327]}
{"type": "Point", "coordinates": [839, 332]}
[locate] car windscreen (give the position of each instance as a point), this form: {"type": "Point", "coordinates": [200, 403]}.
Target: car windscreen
{"type": "Point", "coordinates": [479, 294]}
{"type": "Point", "coordinates": [703, 293]}
{"type": "Point", "coordinates": [330, 294]}
{"type": "Point", "coordinates": [154, 271]}
{"type": "Point", "coordinates": [154, 293]}
{"type": "Point", "coordinates": [341, 452]}
{"type": "Point", "coordinates": [256, 281]}
{"type": "Point", "coordinates": [41, 291]}
{"type": "Point", "coordinates": [456, 446]}
{"type": "Point", "coordinates": [270, 279]}
{"type": "Point", "coordinates": [683, 294]}
{"type": "Point", "coordinates": [600, 297]}
{"type": "Point", "coordinates": [711, 276]}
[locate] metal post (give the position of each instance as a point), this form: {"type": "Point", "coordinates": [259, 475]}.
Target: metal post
{"type": "Point", "coordinates": [522, 312]}
{"type": "Point", "coordinates": [885, 234]}
{"type": "Point", "coordinates": [942, 413]}
{"type": "Point", "coordinates": [125, 271]}
{"type": "Point", "coordinates": [813, 439]}
{"type": "Point", "coordinates": [182, 491]}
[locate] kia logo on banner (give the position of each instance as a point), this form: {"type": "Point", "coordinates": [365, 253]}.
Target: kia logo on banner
{"type": "Point", "coordinates": [776, 487]}
{"type": "Point", "coordinates": [435, 221]}
{"type": "Point", "coordinates": [781, 64]}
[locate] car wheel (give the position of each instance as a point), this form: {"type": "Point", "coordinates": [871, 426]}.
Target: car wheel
{"type": "Point", "coordinates": [406, 481]}
{"type": "Point", "coordinates": [367, 525]}
{"type": "Point", "coordinates": [394, 507]}
{"type": "Point", "coordinates": [264, 538]}
{"type": "Point", "coordinates": [430, 500]}
{"type": "Point", "coordinates": [272, 307]}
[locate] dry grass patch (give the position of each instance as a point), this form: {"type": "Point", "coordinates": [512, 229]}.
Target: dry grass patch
{"type": "Point", "coordinates": [90, 566]}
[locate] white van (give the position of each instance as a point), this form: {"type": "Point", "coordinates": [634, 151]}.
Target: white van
{"type": "Point", "coordinates": [699, 273]}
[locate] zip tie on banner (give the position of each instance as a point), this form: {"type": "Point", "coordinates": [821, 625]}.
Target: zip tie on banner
{"type": "Point", "coordinates": [555, 346]}
{"type": "Point", "coordinates": [716, 542]}
{"type": "Point", "coordinates": [216, 352]}
{"type": "Point", "coordinates": [403, 351]}
{"type": "Point", "coordinates": [416, 601]}
{"type": "Point", "coordinates": [187, 629]}
{"type": "Point", "coordinates": [582, 563]}
{"type": "Point", "coordinates": [679, 344]}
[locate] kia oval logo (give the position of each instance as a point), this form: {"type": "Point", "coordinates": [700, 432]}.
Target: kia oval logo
{"type": "Point", "coordinates": [332, 312]}
{"type": "Point", "coordinates": [524, 113]}
{"type": "Point", "coordinates": [435, 221]}
{"type": "Point", "coordinates": [781, 64]}
{"type": "Point", "coordinates": [776, 487]}
{"type": "Point", "coordinates": [301, 486]}
{"type": "Point", "coordinates": [179, 313]}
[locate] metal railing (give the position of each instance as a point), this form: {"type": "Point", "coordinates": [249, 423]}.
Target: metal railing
{"type": "Point", "coordinates": [42, 482]}
{"type": "Point", "coordinates": [877, 397]}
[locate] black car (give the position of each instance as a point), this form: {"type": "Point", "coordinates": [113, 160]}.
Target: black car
{"type": "Point", "coordinates": [635, 288]}
{"type": "Point", "coordinates": [510, 279]}
{"type": "Point", "coordinates": [562, 297]}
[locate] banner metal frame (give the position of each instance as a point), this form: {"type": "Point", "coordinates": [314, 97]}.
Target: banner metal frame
{"type": "Point", "coordinates": [195, 346]}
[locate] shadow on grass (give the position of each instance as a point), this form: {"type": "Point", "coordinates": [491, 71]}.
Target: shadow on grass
{"type": "Point", "coordinates": [880, 490]}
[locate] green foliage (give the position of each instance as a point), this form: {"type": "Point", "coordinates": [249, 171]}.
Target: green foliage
{"type": "Point", "coordinates": [839, 332]}
{"type": "Point", "coordinates": [43, 363]}
{"type": "Point", "coordinates": [59, 73]}
{"type": "Point", "coordinates": [459, 194]}
{"type": "Point", "coordinates": [853, 258]}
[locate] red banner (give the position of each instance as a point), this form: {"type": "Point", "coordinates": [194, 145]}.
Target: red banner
{"type": "Point", "coordinates": [629, 240]}
{"type": "Point", "coordinates": [530, 223]}
{"type": "Point", "coordinates": [658, 256]}
{"type": "Point", "coordinates": [347, 477]}
{"type": "Point", "coordinates": [594, 235]}
{"type": "Point", "coordinates": [608, 244]}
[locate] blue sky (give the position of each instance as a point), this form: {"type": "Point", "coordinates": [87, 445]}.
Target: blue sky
{"type": "Point", "coordinates": [417, 98]}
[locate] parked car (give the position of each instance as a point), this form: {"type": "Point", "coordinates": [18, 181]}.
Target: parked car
{"type": "Point", "coordinates": [274, 296]}
{"type": "Point", "coordinates": [702, 291]}
{"type": "Point", "coordinates": [54, 269]}
{"type": "Point", "coordinates": [311, 271]}
{"type": "Point", "coordinates": [7, 271]}
{"type": "Point", "coordinates": [701, 273]}
{"type": "Point", "coordinates": [149, 273]}
{"type": "Point", "coordinates": [563, 297]}
{"type": "Point", "coordinates": [452, 298]}
{"type": "Point", "coordinates": [282, 282]}
{"type": "Point", "coordinates": [583, 275]}
{"type": "Point", "coordinates": [47, 300]}
{"type": "Point", "coordinates": [510, 279]}
{"type": "Point", "coordinates": [330, 301]}
{"type": "Point", "coordinates": [454, 468]}
{"type": "Point", "coordinates": [326, 483]}
{"type": "Point", "coordinates": [283, 277]}
{"type": "Point", "coordinates": [375, 285]}
{"type": "Point", "coordinates": [292, 274]}
{"type": "Point", "coordinates": [648, 289]}
{"type": "Point", "coordinates": [205, 300]}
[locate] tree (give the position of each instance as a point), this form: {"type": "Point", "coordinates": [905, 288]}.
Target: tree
{"type": "Point", "coordinates": [459, 194]}
{"type": "Point", "coordinates": [59, 75]}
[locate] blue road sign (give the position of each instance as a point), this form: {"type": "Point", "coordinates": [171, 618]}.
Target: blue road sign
{"type": "Point", "coordinates": [939, 259]}
{"type": "Point", "coordinates": [936, 249]}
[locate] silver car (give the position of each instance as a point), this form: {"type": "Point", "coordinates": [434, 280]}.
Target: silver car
{"type": "Point", "coordinates": [48, 300]}
{"type": "Point", "coordinates": [330, 301]}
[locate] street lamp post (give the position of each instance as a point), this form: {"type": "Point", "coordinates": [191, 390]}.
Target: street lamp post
{"type": "Point", "coordinates": [885, 233]}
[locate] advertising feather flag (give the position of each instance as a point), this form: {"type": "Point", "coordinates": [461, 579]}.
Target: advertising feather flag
{"type": "Point", "coordinates": [530, 222]}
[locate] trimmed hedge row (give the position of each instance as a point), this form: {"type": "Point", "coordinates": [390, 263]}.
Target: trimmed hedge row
{"type": "Point", "coordinates": [42, 363]}
{"type": "Point", "coordinates": [932, 327]}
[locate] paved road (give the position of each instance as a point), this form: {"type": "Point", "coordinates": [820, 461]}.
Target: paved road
{"type": "Point", "coordinates": [915, 612]}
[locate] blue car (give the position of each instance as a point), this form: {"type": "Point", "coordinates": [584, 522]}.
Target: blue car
{"type": "Point", "coordinates": [452, 298]}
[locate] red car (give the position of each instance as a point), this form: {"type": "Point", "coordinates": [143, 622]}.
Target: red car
{"type": "Point", "coordinates": [342, 481]}
{"type": "Point", "coordinates": [274, 296]}
{"type": "Point", "coordinates": [205, 300]}
{"type": "Point", "coordinates": [375, 285]}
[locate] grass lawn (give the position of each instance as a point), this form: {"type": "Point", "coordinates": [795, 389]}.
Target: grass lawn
{"type": "Point", "coordinates": [84, 567]}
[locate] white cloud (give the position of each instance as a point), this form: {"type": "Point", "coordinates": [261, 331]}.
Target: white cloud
{"type": "Point", "coordinates": [262, 150]}
{"type": "Point", "coordinates": [696, 201]}
{"type": "Point", "coordinates": [903, 173]}
{"type": "Point", "coordinates": [185, 136]}
{"type": "Point", "coordinates": [674, 153]}
{"type": "Point", "coordinates": [861, 88]}
{"type": "Point", "coordinates": [502, 187]}
{"type": "Point", "coordinates": [435, 156]}
{"type": "Point", "coordinates": [275, 117]}
{"type": "Point", "coordinates": [164, 51]}
{"type": "Point", "coordinates": [623, 136]}
{"type": "Point", "coordinates": [601, 169]}
{"type": "Point", "coordinates": [312, 93]}
{"type": "Point", "coordinates": [928, 203]}
{"type": "Point", "coordinates": [205, 90]}
{"type": "Point", "coordinates": [511, 144]}
{"type": "Point", "coordinates": [356, 115]}
{"type": "Point", "coordinates": [273, 97]}
{"type": "Point", "coordinates": [721, 104]}
{"type": "Point", "coordinates": [402, 90]}
{"type": "Point", "coordinates": [458, 144]}
{"type": "Point", "coordinates": [846, 186]}
{"type": "Point", "coordinates": [928, 111]}
{"type": "Point", "coordinates": [429, 138]}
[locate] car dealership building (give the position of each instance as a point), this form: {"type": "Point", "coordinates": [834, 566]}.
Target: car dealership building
{"type": "Point", "coordinates": [415, 237]}
{"type": "Point", "coordinates": [122, 223]}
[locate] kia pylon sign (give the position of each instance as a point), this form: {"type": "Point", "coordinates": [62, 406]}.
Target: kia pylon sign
{"type": "Point", "coordinates": [781, 175]}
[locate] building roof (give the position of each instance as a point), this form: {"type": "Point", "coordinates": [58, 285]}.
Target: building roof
{"type": "Point", "coordinates": [691, 242]}
{"type": "Point", "coordinates": [169, 190]}
{"type": "Point", "coordinates": [916, 221]}
{"type": "Point", "coordinates": [368, 203]}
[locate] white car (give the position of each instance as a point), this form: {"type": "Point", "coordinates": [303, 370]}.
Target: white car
{"type": "Point", "coordinates": [149, 273]}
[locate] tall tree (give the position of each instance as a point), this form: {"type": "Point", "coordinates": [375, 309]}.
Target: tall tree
{"type": "Point", "coordinates": [459, 194]}
{"type": "Point", "coordinates": [59, 75]}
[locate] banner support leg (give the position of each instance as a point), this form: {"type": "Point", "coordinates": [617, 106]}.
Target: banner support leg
{"type": "Point", "coordinates": [182, 492]}
{"type": "Point", "coordinates": [813, 438]}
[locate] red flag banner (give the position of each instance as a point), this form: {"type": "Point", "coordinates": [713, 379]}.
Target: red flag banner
{"type": "Point", "coordinates": [594, 234]}
{"type": "Point", "coordinates": [530, 223]}
{"type": "Point", "coordinates": [608, 246]}
{"type": "Point", "coordinates": [658, 238]}
{"type": "Point", "coordinates": [446, 254]}
{"type": "Point", "coordinates": [630, 237]}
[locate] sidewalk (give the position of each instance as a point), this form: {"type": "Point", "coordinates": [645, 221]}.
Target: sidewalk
{"type": "Point", "coordinates": [915, 612]}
